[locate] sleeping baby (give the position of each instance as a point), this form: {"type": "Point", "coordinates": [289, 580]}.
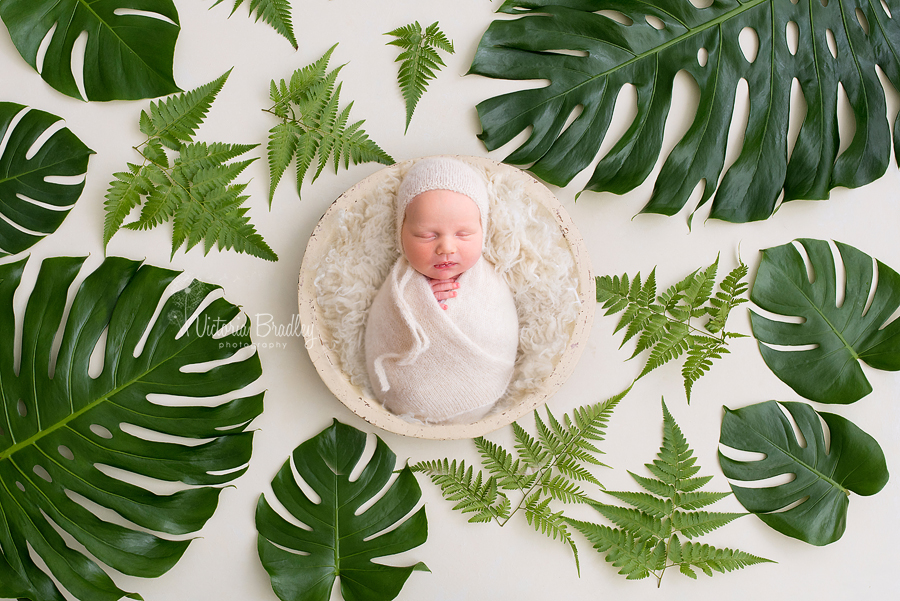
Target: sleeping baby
{"type": "Point", "coordinates": [442, 333]}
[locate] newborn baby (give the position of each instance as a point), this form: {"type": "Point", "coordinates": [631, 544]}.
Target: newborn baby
{"type": "Point", "coordinates": [442, 332]}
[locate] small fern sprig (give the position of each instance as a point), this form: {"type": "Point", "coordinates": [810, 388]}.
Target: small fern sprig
{"type": "Point", "coordinates": [194, 188]}
{"type": "Point", "coordinates": [419, 60]}
{"type": "Point", "coordinates": [646, 541]}
{"type": "Point", "coordinates": [664, 324]}
{"type": "Point", "coordinates": [312, 128]}
{"type": "Point", "coordinates": [275, 13]}
{"type": "Point", "coordinates": [542, 469]}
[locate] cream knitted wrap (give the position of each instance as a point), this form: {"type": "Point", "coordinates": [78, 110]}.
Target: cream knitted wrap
{"type": "Point", "coordinates": [436, 365]}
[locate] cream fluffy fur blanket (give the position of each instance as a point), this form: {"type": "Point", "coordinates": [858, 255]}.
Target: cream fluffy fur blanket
{"type": "Point", "coordinates": [441, 365]}
{"type": "Point", "coordinates": [524, 243]}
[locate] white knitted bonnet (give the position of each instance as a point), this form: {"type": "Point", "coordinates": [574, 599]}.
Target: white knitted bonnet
{"type": "Point", "coordinates": [441, 173]}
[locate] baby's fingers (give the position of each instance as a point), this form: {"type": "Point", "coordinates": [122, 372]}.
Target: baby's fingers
{"type": "Point", "coordinates": [443, 285]}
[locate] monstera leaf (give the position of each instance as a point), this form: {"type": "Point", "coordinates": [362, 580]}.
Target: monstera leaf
{"type": "Point", "coordinates": [840, 336]}
{"type": "Point", "coordinates": [590, 49]}
{"type": "Point", "coordinates": [128, 54]}
{"type": "Point", "coordinates": [813, 506]}
{"type": "Point", "coordinates": [340, 539]}
{"type": "Point", "coordinates": [77, 439]}
{"type": "Point", "coordinates": [34, 207]}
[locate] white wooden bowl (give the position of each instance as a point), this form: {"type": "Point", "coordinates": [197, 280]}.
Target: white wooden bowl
{"type": "Point", "coordinates": [327, 362]}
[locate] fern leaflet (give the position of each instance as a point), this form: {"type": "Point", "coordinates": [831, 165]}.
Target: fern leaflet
{"type": "Point", "coordinates": [543, 469]}
{"type": "Point", "coordinates": [275, 13]}
{"type": "Point", "coordinates": [312, 129]}
{"type": "Point", "coordinates": [468, 488]}
{"type": "Point", "coordinates": [664, 323]}
{"type": "Point", "coordinates": [194, 189]}
{"type": "Point", "coordinates": [645, 541]}
{"type": "Point", "coordinates": [418, 61]}
{"type": "Point", "coordinates": [549, 523]}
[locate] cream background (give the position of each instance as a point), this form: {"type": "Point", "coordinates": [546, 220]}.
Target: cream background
{"type": "Point", "coordinates": [474, 562]}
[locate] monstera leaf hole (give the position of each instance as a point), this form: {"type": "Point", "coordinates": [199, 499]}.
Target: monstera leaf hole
{"type": "Point", "coordinates": [749, 41]}
{"type": "Point", "coordinates": [76, 63]}
{"type": "Point", "coordinates": [119, 12]}
{"type": "Point", "coordinates": [617, 17]}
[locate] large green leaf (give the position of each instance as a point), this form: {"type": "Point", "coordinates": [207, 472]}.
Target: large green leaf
{"type": "Point", "coordinates": [303, 562]}
{"type": "Point", "coordinates": [24, 173]}
{"type": "Point", "coordinates": [588, 57]}
{"type": "Point", "coordinates": [75, 444]}
{"type": "Point", "coordinates": [129, 52]}
{"type": "Point", "coordinates": [824, 472]}
{"type": "Point", "coordinates": [838, 336]}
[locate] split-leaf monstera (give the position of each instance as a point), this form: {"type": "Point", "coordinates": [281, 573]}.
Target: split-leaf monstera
{"type": "Point", "coordinates": [128, 54]}
{"type": "Point", "coordinates": [590, 49]}
{"type": "Point", "coordinates": [820, 357]}
{"type": "Point", "coordinates": [344, 529]}
{"type": "Point", "coordinates": [24, 173]}
{"type": "Point", "coordinates": [813, 505]}
{"type": "Point", "coordinates": [74, 443]}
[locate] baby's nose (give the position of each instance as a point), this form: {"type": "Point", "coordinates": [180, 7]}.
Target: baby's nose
{"type": "Point", "coordinates": [446, 247]}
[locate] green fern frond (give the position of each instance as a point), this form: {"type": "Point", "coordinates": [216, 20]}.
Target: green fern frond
{"type": "Point", "coordinates": [159, 207]}
{"type": "Point", "coordinates": [697, 523]}
{"type": "Point", "coordinates": [634, 557]}
{"type": "Point", "coordinates": [665, 325]}
{"type": "Point", "coordinates": [709, 559]}
{"type": "Point", "coordinates": [654, 486]}
{"type": "Point", "coordinates": [419, 60]}
{"type": "Point", "coordinates": [217, 218]}
{"type": "Point", "coordinates": [550, 435]}
{"type": "Point", "coordinates": [641, 525]}
{"type": "Point", "coordinates": [562, 489]}
{"type": "Point", "coordinates": [691, 484]}
{"type": "Point", "coordinates": [699, 291]}
{"type": "Point", "coordinates": [569, 442]}
{"type": "Point", "coordinates": [645, 502]}
{"type": "Point", "coordinates": [123, 195]}
{"type": "Point", "coordinates": [653, 329]}
{"type": "Point", "coordinates": [466, 486]}
{"type": "Point", "coordinates": [569, 466]}
{"type": "Point", "coordinates": [647, 536]}
{"type": "Point", "coordinates": [509, 472]}
{"type": "Point", "coordinates": [591, 420]}
{"type": "Point", "coordinates": [283, 140]}
{"type": "Point", "coordinates": [176, 119]}
{"type": "Point", "coordinates": [312, 127]}
{"type": "Point", "coordinates": [275, 13]}
{"type": "Point", "coordinates": [612, 292]}
{"type": "Point", "coordinates": [698, 499]}
{"type": "Point", "coordinates": [529, 449]}
{"type": "Point", "coordinates": [674, 341]}
{"type": "Point", "coordinates": [730, 294]}
{"type": "Point", "coordinates": [699, 360]}
{"type": "Point", "coordinates": [307, 87]}
{"type": "Point", "coordinates": [545, 469]}
{"type": "Point", "coordinates": [551, 524]}
{"type": "Point", "coordinates": [194, 190]}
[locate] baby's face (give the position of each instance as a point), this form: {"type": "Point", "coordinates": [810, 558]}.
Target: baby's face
{"type": "Point", "coordinates": [441, 234]}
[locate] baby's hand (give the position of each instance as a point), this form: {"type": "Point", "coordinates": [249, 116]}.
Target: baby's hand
{"type": "Point", "coordinates": [443, 289]}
